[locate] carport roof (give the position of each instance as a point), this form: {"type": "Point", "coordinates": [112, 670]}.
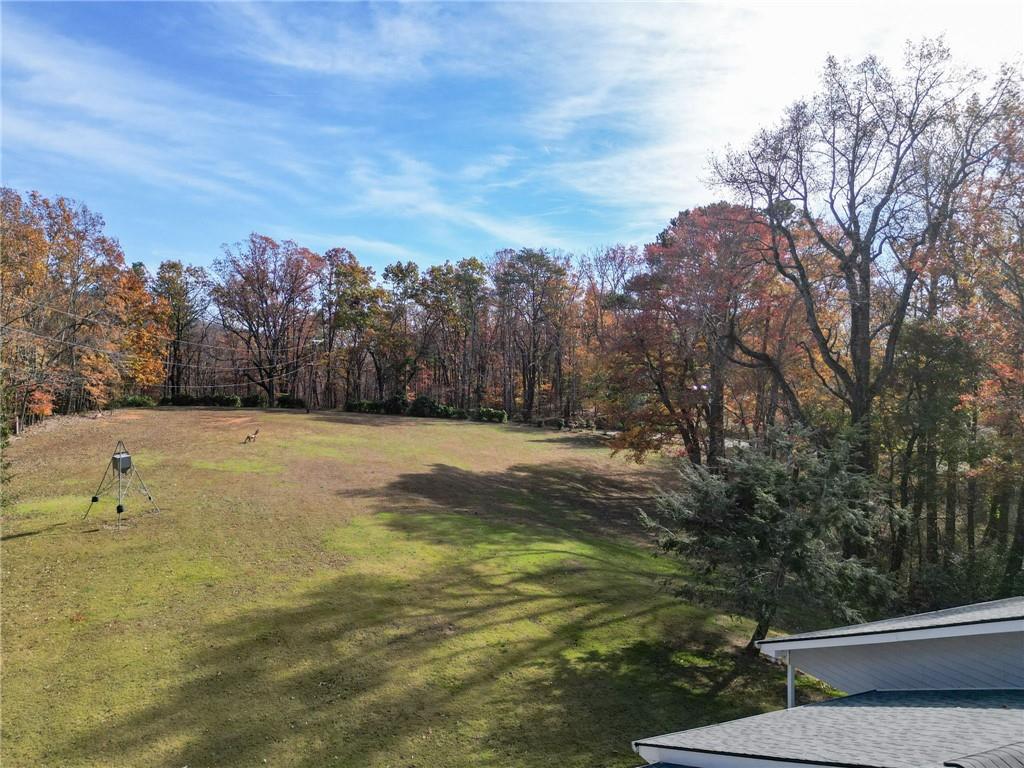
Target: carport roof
{"type": "Point", "coordinates": [1010, 609]}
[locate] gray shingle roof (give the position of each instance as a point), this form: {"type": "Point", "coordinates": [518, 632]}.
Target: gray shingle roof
{"type": "Point", "coordinates": [1010, 756]}
{"type": "Point", "coordinates": [977, 613]}
{"type": "Point", "coordinates": [878, 729]}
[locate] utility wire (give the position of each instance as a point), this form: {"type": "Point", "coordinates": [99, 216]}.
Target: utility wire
{"type": "Point", "coordinates": [70, 379]}
{"type": "Point", "coordinates": [128, 356]}
{"type": "Point", "coordinates": [171, 339]}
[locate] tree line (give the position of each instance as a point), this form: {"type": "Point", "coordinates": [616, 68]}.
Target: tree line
{"type": "Point", "coordinates": [861, 291]}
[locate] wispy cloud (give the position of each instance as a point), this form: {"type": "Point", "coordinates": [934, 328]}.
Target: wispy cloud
{"type": "Point", "coordinates": [362, 247]}
{"type": "Point", "coordinates": [442, 129]}
{"type": "Point", "coordinates": [390, 43]}
{"type": "Point", "coordinates": [410, 188]}
{"type": "Point", "coordinates": [640, 95]}
{"type": "Point", "coordinates": [622, 102]}
{"type": "Point", "coordinates": [94, 106]}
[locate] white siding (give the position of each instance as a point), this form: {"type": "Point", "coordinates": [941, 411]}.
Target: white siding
{"type": "Point", "coordinates": [980, 661]}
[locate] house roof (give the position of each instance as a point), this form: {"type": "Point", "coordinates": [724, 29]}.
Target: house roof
{"type": "Point", "coordinates": [1009, 756]}
{"type": "Point", "coordinates": [878, 729]}
{"type": "Point", "coordinates": [1010, 609]}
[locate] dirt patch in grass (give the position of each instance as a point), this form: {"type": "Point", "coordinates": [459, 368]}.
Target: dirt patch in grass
{"type": "Point", "coordinates": [348, 590]}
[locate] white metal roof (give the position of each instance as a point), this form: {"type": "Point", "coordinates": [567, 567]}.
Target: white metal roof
{"type": "Point", "coordinates": [978, 618]}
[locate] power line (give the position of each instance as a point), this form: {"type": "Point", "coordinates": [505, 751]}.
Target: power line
{"type": "Point", "coordinates": [107, 324]}
{"type": "Point", "coordinates": [68, 379]}
{"type": "Point", "coordinates": [127, 357]}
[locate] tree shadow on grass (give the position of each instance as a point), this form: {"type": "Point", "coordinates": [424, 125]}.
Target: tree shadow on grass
{"type": "Point", "coordinates": [585, 439]}
{"type": "Point", "coordinates": [35, 532]}
{"type": "Point", "coordinates": [522, 648]}
{"type": "Point", "coordinates": [358, 419]}
{"type": "Point", "coordinates": [453, 668]}
{"type": "Point", "coordinates": [565, 497]}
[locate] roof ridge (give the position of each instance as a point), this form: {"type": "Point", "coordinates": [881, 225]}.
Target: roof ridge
{"type": "Point", "coordinates": [870, 627]}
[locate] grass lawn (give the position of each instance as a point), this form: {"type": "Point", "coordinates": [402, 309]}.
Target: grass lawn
{"type": "Point", "coordinates": [351, 591]}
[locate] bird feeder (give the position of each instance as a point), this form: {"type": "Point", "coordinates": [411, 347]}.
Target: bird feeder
{"type": "Point", "coordinates": [122, 462]}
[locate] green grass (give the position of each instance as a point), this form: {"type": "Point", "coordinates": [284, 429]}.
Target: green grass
{"type": "Point", "coordinates": [349, 591]}
{"type": "Point", "coordinates": [238, 465]}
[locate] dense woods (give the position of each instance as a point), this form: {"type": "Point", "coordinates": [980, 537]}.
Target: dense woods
{"type": "Point", "coordinates": [860, 291]}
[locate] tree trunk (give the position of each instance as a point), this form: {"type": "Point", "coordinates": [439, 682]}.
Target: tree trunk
{"type": "Point", "coordinates": [952, 498]}
{"type": "Point", "coordinates": [716, 403]}
{"type": "Point", "coordinates": [899, 544]}
{"type": "Point", "coordinates": [1015, 555]}
{"type": "Point", "coordinates": [766, 611]}
{"type": "Point", "coordinates": [932, 503]}
{"type": "Point", "coordinates": [996, 529]}
{"type": "Point", "coordinates": [915, 519]}
{"type": "Point", "coordinates": [972, 514]}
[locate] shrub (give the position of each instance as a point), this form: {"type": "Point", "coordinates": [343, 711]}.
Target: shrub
{"type": "Point", "coordinates": [552, 423]}
{"type": "Point", "coordinates": [221, 399]}
{"type": "Point", "coordinates": [446, 411]}
{"type": "Point", "coordinates": [135, 401]}
{"type": "Point", "coordinates": [40, 403]}
{"type": "Point", "coordinates": [255, 400]}
{"type": "Point", "coordinates": [783, 508]}
{"type": "Point", "coordinates": [395, 405]}
{"type": "Point", "coordinates": [290, 401]}
{"type": "Point", "coordinates": [364, 406]}
{"type": "Point", "coordinates": [496, 415]}
{"type": "Point", "coordinates": [425, 406]}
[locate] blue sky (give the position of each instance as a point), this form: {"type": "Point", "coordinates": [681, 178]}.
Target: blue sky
{"type": "Point", "coordinates": [417, 131]}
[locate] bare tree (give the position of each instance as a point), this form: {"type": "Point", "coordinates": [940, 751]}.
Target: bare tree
{"type": "Point", "coordinates": [857, 186]}
{"type": "Point", "coordinates": [264, 294]}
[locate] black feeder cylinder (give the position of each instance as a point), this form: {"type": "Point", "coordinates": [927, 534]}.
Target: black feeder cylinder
{"type": "Point", "coordinates": [120, 509]}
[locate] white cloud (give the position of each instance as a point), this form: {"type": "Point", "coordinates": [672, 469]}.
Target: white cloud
{"type": "Point", "coordinates": [663, 87]}
{"type": "Point", "coordinates": [394, 44]}
{"type": "Point", "coordinates": [626, 100]}
{"type": "Point", "coordinates": [360, 246]}
{"type": "Point", "coordinates": [406, 187]}
{"type": "Point", "coordinates": [612, 106]}
{"type": "Point", "coordinates": [85, 103]}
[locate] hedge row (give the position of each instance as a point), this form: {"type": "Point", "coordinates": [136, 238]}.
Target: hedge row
{"type": "Point", "coordinates": [425, 407]}
{"type": "Point", "coordinates": [134, 401]}
{"type": "Point", "coordinates": [490, 414]}
{"type": "Point", "coordinates": [395, 405]}
{"type": "Point", "coordinates": [183, 398]}
{"type": "Point", "coordinates": [290, 401]}
{"type": "Point", "coordinates": [258, 400]}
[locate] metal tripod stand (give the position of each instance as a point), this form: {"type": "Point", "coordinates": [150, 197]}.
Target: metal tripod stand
{"type": "Point", "coordinates": [120, 471]}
